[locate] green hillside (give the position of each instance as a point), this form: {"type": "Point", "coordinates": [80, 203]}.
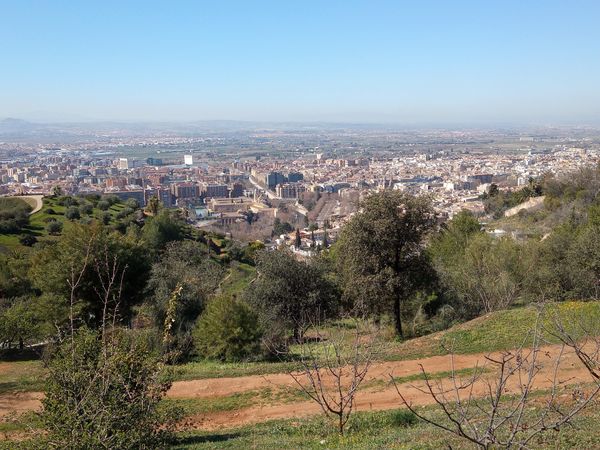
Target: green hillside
{"type": "Point", "coordinates": [52, 210]}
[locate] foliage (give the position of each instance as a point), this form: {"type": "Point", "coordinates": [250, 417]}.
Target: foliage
{"type": "Point", "coordinates": [103, 391]}
{"type": "Point", "coordinates": [89, 249]}
{"type": "Point", "coordinates": [14, 215]}
{"type": "Point", "coordinates": [54, 227]}
{"type": "Point", "coordinates": [103, 205]}
{"type": "Point", "coordinates": [27, 240]}
{"type": "Point", "coordinates": [163, 228]}
{"type": "Point", "coordinates": [185, 267]}
{"type": "Point", "coordinates": [280, 227]}
{"type": "Point", "coordinates": [290, 293]}
{"type": "Point", "coordinates": [480, 273]}
{"type": "Point", "coordinates": [380, 255]}
{"type": "Point", "coordinates": [19, 323]}
{"type": "Point", "coordinates": [496, 202]}
{"type": "Point", "coordinates": [72, 213]}
{"type": "Point", "coordinates": [228, 330]}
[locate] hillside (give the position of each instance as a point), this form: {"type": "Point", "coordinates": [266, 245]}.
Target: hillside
{"type": "Point", "coordinates": [226, 412]}
{"type": "Point", "coordinates": [52, 210]}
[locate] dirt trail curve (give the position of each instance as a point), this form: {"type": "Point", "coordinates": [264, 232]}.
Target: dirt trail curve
{"type": "Point", "coordinates": [36, 202]}
{"type": "Point", "coordinates": [382, 396]}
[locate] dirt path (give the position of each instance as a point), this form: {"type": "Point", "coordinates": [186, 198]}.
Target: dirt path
{"type": "Point", "coordinates": [36, 202]}
{"type": "Point", "coordinates": [379, 396]}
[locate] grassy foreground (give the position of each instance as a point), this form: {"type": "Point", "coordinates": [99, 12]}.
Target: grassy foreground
{"type": "Point", "coordinates": [395, 429]}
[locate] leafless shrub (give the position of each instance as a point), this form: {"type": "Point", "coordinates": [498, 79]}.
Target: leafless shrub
{"type": "Point", "coordinates": [334, 364]}
{"type": "Point", "coordinates": [492, 412]}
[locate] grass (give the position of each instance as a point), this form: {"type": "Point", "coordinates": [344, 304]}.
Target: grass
{"type": "Point", "coordinates": [397, 429]}
{"type": "Point", "coordinates": [493, 332]}
{"type": "Point", "coordinates": [238, 278]}
{"type": "Point", "coordinates": [503, 330]}
{"type": "Point", "coordinates": [197, 370]}
{"type": "Point", "coordinates": [20, 422]}
{"type": "Point", "coordinates": [500, 330]}
{"type": "Point", "coordinates": [29, 200]}
{"type": "Point", "coordinates": [392, 429]}
{"type": "Point", "coordinates": [193, 406]}
{"type": "Point", "coordinates": [21, 376]}
{"type": "Point", "coordinates": [234, 402]}
{"type": "Point", "coordinates": [39, 221]}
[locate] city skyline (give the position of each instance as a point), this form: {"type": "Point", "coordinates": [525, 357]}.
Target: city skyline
{"type": "Point", "coordinates": [361, 62]}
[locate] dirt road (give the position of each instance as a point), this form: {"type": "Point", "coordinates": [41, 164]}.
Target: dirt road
{"type": "Point", "coordinates": [379, 393]}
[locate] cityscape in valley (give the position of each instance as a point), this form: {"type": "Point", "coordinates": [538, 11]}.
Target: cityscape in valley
{"type": "Point", "coordinates": [243, 178]}
{"type": "Point", "coordinates": [299, 225]}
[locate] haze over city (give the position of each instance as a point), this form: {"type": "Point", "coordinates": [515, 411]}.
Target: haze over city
{"type": "Point", "coordinates": [400, 62]}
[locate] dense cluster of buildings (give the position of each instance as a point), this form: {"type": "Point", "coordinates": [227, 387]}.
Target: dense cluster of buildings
{"type": "Point", "coordinates": [227, 190]}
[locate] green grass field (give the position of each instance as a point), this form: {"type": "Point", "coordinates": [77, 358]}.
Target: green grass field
{"type": "Point", "coordinates": [39, 221]}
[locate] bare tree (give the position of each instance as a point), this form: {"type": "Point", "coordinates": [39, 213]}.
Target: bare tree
{"type": "Point", "coordinates": [334, 364]}
{"type": "Point", "coordinates": [494, 411]}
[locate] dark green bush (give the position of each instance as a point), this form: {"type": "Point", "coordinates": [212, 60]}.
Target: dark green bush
{"type": "Point", "coordinates": [228, 330]}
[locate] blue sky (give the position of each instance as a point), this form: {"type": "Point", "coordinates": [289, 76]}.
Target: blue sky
{"type": "Point", "coordinates": [398, 61]}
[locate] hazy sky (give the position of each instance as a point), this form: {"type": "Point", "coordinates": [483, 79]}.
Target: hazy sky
{"type": "Point", "coordinates": [370, 61]}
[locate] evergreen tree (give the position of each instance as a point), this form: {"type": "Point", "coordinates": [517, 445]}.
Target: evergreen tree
{"type": "Point", "coordinates": [380, 253]}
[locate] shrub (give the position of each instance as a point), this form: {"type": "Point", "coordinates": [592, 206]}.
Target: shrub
{"type": "Point", "coordinates": [132, 203]}
{"type": "Point", "coordinates": [124, 213]}
{"type": "Point", "coordinates": [103, 391]}
{"type": "Point", "coordinates": [228, 330]}
{"type": "Point", "coordinates": [86, 209]}
{"type": "Point", "coordinates": [403, 418]}
{"type": "Point", "coordinates": [27, 240]}
{"type": "Point", "coordinates": [72, 213]}
{"type": "Point", "coordinates": [50, 211]}
{"type": "Point", "coordinates": [106, 217]}
{"type": "Point", "coordinates": [111, 199]}
{"type": "Point", "coordinates": [54, 227]}
{"type": "Point", "coordinates": [67, 201]}
{"type": "Point", "coordinates": [103, 205]}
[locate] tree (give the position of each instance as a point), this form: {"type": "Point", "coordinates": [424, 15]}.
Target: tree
{"type": "Point", "coordinates": [103, 205]}
{"type": "Point", "coordinates": [86, 209]}
{"type": "Point", "coordinates": [89, 250]}
{"type": "Point", "coordinates": [485, 275]}
{"type": "Point", "coordinates": [501, 411]}
{"type": "Point", "coordinates": [153, 205]}
{"type": "Point", "coordinates": [54, 227]}
{"type": "Point", "coordinates": [104, 387]}
{"type": "Point", "coordinates": [57, 191]}
{"type": "Point", "coordinates": [106, 217]}
{"type": "Point", "coordinates": [290, 292]}
{"type": "Point", "coordinates": [72, 213]}
{"type": "Point", "coordinates": [19, 323]}
{"type": "Point", "coordinates": [380, 255]}
{"type": "Point", "coordinates": [161, 229]}
{"type": "Point", "coordinates": [186, 268]}
{"type": "Point", "coordinates": [228, 330]}
{"type": "Point", "coordinates": [280, 227]}
{"type": "Point", "coordinates": [132, 203]}
{"type": "Point", "coordinates": [28, 240]}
